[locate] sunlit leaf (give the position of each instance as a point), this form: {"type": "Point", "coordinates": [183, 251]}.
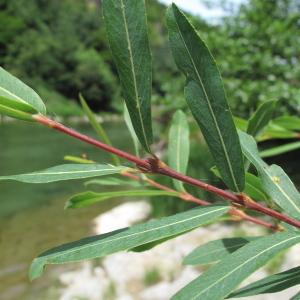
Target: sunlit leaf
{"type": "Point", "coordinates": [215, 250]}
{"type": "Point", "coordinates": [240, 123]}
{"type": "Point", "coordinates": [125, 22]}
{"type": "Point", "coordinates": [98, 128]}
{"type": "Point", "coordinates": [132, 132]}
{"type": "Point", "coordinates": [261, 117]}
{"type": "Point", "coordinates": [280, 149]}
{"type": "Point", "coordinates": [221, 279]}
{"type": "Point", "coordinates": [206, 98]}
{"type": "Point", "coordinates": [179, 146]}
{"type": "Point", "coordinates": [127, 238]}
{"type": "Point", "coordinates": [273, 131]}
{"type": "Point", "coordinates": [88, 198]}
{"type": "Point", "coordinates": [271, 284]}
{"type": "Point", "coordinates": [78, 159]}
{"type": "Point", "coordinates": [113, 181]}
{"type": "Point", "coordinates": [275, 181]}
{"type": "Point", "coordinates": [288, 122]}
{"type": "Point", "coordinates": [18, 100]}
{"type": "Point", "coordinates": [66, 172]}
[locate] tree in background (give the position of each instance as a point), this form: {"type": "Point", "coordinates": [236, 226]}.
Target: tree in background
{"type": "Point", "coordinates": [258, 54]}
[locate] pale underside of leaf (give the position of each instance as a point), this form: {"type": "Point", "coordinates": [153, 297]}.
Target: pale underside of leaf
{"type": "Point", "coordinates": [127, 238]}
{"type": "Point", "coordinates": [219, 281]}
{"type": "Point", "coordinates": [66, 172]}
{"type": "Point", "coordinates": [274, 180]}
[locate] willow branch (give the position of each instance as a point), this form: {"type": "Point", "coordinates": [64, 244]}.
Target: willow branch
{"type": "Point", "coordinates": [153, 165]}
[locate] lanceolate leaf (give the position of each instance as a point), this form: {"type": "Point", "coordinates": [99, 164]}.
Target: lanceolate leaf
{"type": "Point", "coordinates": [131, 131]}
{"type": "Point", "coordinates": [66, 172]}
{"type": "Point", "coordinates": [288, 122]}
{"type": "Point", "coordinates": [179, 146]}
{"type": "Point", "coordinates": [273, 131]}
{"type": "Point", "coordinates": [98, 128]}
{"type": "Point", "coordinates": [271, 284]}
{"type": "Point", "coordinates": [274, 180]}
{"type": "Point", "coordinates": [220, 280]}
{"type": "Point", "coordinates": [18, 100]}
{"type": "Point", "coordinates": [240, 123]}
{"type": "Point", "coordinates": [261, 118]}
{"type": "Point", "coordinates": [88, 198]}
{"type": "Point", "coordinates": [125, 22]}
{"type": "Point", "coordinates": [280, 149]}
{"type": "Point", "coordinates": [215, 250]}
{"type": "Point", "coordinates": [127, 238]}
{"type": "Point", "coordinates": [205, 95]}
{"type": "Point", "coordinates": [114, 181]}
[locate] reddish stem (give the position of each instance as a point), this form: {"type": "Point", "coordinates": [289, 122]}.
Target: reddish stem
{"type": "Point", "coordinates": [155, 166]}
{"type": "Point", "coordinates": [235, 213]}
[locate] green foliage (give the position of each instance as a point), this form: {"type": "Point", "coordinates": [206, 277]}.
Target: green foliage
{"type": "Point", "coordinates": [88, 198]}
{"type": "Point", "coordinates": [275, 181]}
{"type": "Point", "coordinates": [97, 127]}
{"type": "Point", "coordinates": [17, 99]}
{"type": "Point", "coordinates": [131, 52]}
{"type": "Point", "coordinates": [261, 118]}
{"type": "Point", "coordinates": [257, 53]}
{"type": "Point", "coordinates": [125, 239]}
{"type": "Point", "coordinates": [271, 284]}
{"type": "Point", "coordinates": [66, 172]}
{"type": "Point", "coordinates": [206, 98]}
{"type": "Point", "coordinates": [216, 250]}
{"type": "Point", "coordinates": [221, 279]}
{"type": "Point", "coordinates": [125, 20]}
{"type": "Point", "coordinates": [179, 146]}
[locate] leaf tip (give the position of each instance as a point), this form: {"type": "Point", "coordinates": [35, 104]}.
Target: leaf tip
{"type": "Point", "coordinates": [36, 269]}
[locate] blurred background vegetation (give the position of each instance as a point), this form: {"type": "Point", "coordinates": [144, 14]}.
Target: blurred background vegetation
{"type": "Point", "coordinates": [59, 47]}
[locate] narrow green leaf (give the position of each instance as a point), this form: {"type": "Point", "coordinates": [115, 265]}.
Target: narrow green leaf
{"type": "Point", "coordinates": [215, 250]}
{"type": "Point", "coordinates": [288, 122]}
{"type": "Point", "coordinates": [220, 280]}
{"type": "Point", "coordinates": [271, 284]}
{"type": "Point", "coordinates": [18, 100]}
{"type": "Point", "coordinates": [179, 146]}
{"type": "Point", "coordinates": [126, 27]}
{"type": "Point", "coordinates": [98, 128]}
{"type": "Point", "coordinates": [88, 198]}
{"type": "Point", "coordinates": [274, 131]}
{"type": "Point", "coordinates": [66, 172]}
{"type": "Point", "coordinates": [112, 181]}
{"type": "Point", "coordinates": [253, 186]}
{"type": "Point", "coordinates": [206, 98]}
{"type": "Point", "coordinates": [261, 117]}
{"type": "Point", "coordinates": [127, 238]}
{"type": "Point", "coordinates": [275, 181]}
{"type": "Point", "coordinates": [280, 149]}
{"type": "Point", "coordinates": [78, 159]}
{"type": "Point", "coordinates": [240, 123]}
{"type": "Point", "coordinates": [296, 297]}
{"type": "Point", "coordinates": [134, 138]}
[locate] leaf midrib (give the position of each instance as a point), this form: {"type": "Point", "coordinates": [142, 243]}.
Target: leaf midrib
{"type": "Point", "coordinates": [137, 233]}
{"type": "Point", "coordinates": [133, 73]}
{"type": "Point", "coordinates": [59, 173]}
{"type": "Point", "coordinates": [210, 110]}
{"type": "Point", "coordinates": [244, 263]}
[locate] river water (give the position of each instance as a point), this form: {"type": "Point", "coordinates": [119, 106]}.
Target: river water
{"type": "Point", "coordinates": [32, 218]}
